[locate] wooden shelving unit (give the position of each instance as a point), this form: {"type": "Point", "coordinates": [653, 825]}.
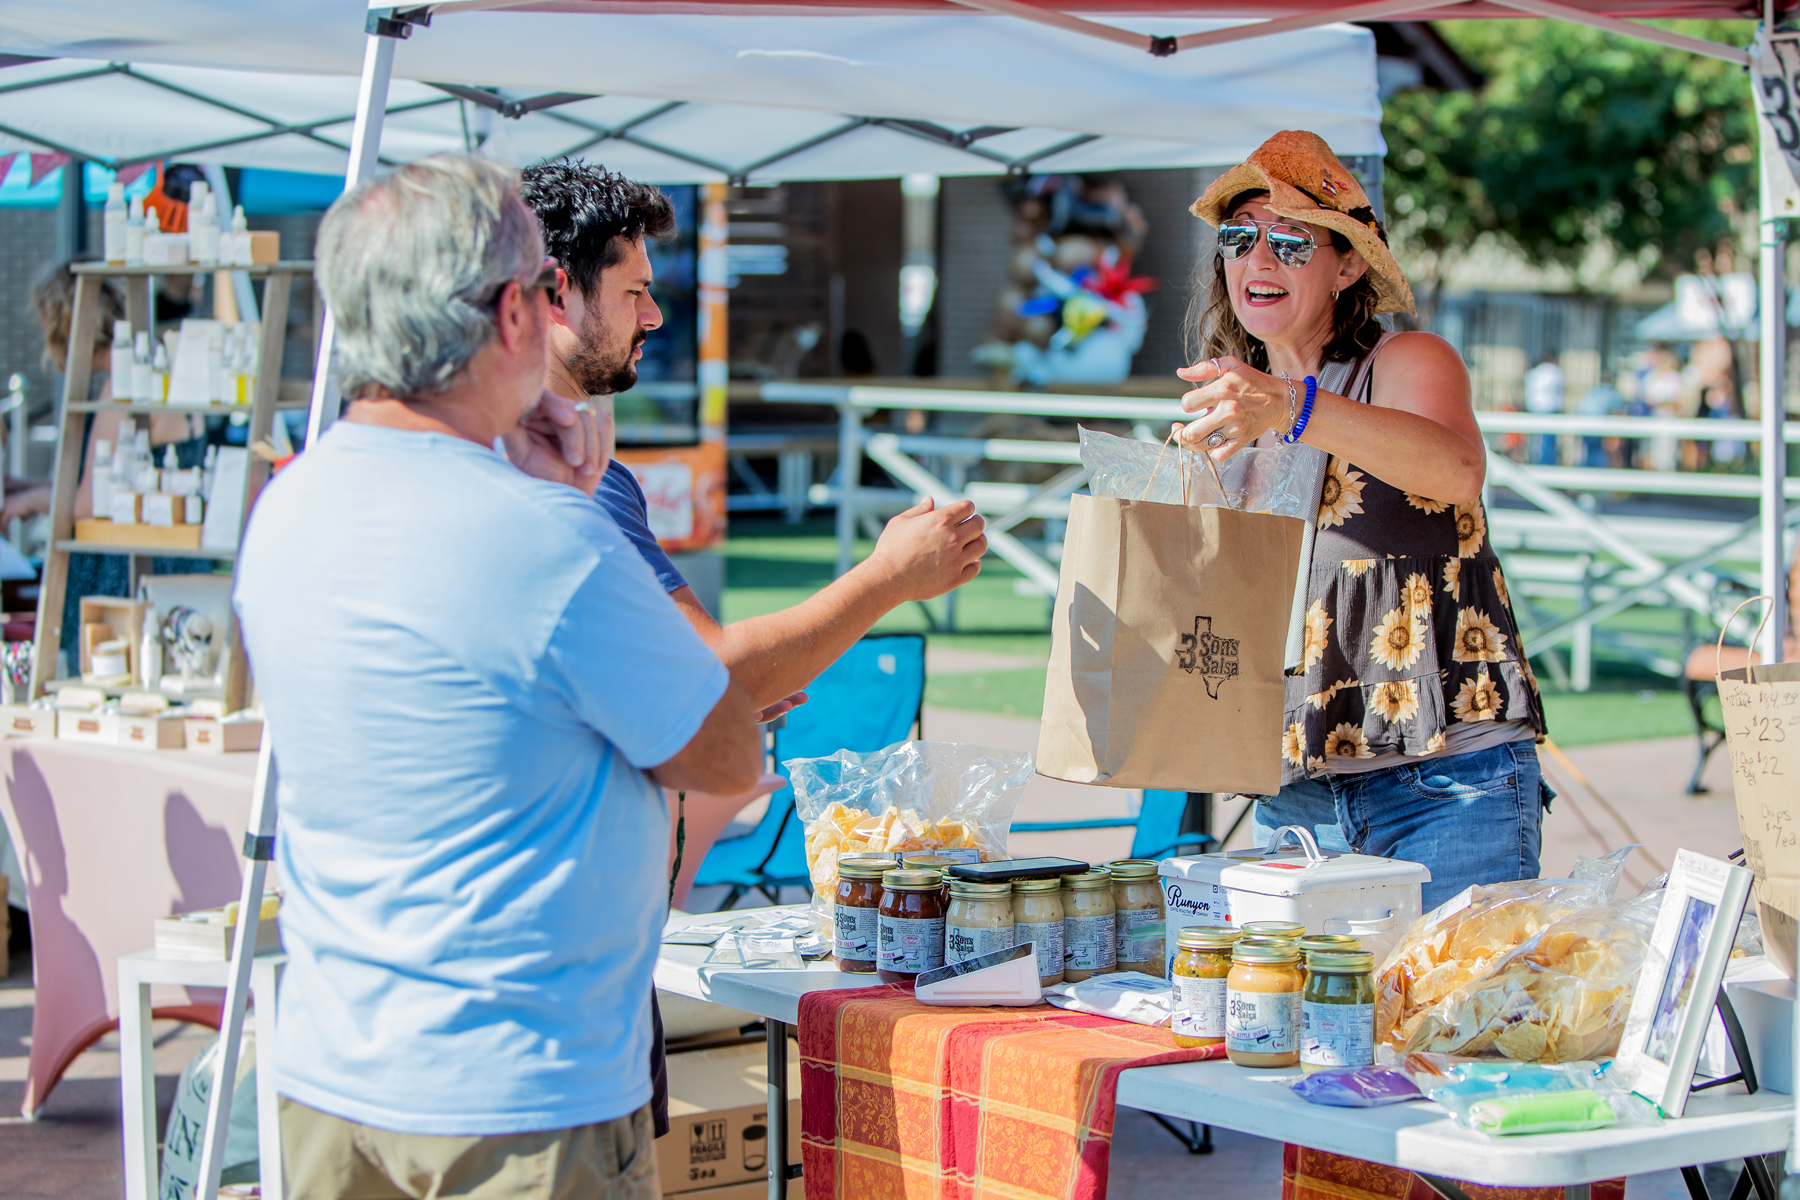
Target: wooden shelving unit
{"type": "Point", "coordinates": [271, 396]}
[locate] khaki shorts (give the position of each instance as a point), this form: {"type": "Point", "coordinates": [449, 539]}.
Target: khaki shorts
{"type": "Point", "coordinates": [329, 1158]}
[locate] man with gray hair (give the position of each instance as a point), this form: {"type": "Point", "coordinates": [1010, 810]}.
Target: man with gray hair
{"type": "Point", "coordinates": [474, 685]}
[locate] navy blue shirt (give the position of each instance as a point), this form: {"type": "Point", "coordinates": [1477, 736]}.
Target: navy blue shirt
{"type": "Point", "coordinates": [623, 499]}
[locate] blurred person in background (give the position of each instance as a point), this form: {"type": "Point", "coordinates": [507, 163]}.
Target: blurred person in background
{"type": "Point", "coordinates": [1545, 394]}
{"type": "Point", "coordinates": [1601, 400]}
{"type": "Point", "coordinates": [1661, 389]}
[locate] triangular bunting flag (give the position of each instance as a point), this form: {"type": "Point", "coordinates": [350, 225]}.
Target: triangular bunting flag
{"type": "Point", "coordinates": [43, 164]}
{"type": "Point", "coordinates": [129, 175]}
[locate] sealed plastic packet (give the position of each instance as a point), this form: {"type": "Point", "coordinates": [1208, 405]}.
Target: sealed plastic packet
{"type": "Point", "coordinates": [909, 798]}
{"type": "Point", "coordinates": [1123, 995]}
{"type": "Point", "coordinates": [1504, 1101]}
{"type": "Point", "coordinates": [1357, 1087]}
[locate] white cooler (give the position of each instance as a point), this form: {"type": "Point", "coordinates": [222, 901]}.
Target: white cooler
{"type": "Point", "coordinates": [1375, 899]}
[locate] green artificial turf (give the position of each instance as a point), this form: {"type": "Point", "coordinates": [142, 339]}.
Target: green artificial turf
{"type": "Point", "coordinates": [770, 566]}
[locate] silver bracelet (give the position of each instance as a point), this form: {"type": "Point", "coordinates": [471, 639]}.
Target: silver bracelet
{"type": "Point", "coordinates": [1293, 399]}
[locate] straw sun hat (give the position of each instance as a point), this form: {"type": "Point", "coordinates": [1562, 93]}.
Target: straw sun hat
{"type": "Point", "coordinates": [1306, 182]}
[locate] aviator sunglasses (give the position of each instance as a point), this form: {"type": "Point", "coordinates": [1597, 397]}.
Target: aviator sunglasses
{"type": "Point", "coordinates": [1291, 244]}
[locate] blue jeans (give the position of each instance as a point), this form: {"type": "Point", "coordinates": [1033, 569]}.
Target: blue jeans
{"type": "Point", "coordinates": [1470, 818]}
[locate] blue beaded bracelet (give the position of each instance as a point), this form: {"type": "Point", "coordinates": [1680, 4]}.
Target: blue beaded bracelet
{"type": "Point", "coordinates": [1312, 393]}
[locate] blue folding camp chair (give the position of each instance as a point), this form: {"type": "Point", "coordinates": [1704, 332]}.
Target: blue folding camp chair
{"type": "Point", "coordinates": [870, 698]}
{"type": "Point", "coordinates": [1158, 832]}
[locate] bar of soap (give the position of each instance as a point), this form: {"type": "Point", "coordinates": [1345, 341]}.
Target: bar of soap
{"type": "Point", "coordinates": [1540, 1112]}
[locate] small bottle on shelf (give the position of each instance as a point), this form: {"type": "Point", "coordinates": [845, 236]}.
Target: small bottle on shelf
{"type": "Point", "coordinates": [140, 368]}
{"type": "Point", "coordinates": [134, 233]}
{"type": "Point", "coordinates": [207, 469]}
{"type": "Point", "coordinates": [103, 487]}
{"type": "Point", "coordinates": [240, 238]}
{"type": "Point", "coordinates": [113, 227]}
{"type": "Point", "coordinates": [121, 361]}
{"type": "Point", "coordinates": [159, 375]}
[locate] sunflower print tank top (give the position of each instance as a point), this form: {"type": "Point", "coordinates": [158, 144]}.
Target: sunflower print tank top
{"type": "Point", "coordinates": [1409, 628]}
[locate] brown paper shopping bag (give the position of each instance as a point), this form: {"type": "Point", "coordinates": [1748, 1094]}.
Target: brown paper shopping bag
{"type": "Point", "coordinates": [1166, 647]}
{"type": "Point", "coordinates": [1761, 709]}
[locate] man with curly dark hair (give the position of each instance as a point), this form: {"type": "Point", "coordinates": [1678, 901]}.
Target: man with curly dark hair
{"type": "Point", "coordinates": [595, 224]}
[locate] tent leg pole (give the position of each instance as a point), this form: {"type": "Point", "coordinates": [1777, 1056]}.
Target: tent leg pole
{"type": "Point", "coordinates": [365, 147]}
{"type": "Point", "coordinates": [1773, 386]}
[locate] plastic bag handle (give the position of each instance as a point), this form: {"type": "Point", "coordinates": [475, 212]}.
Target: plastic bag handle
{"type": "Point", "coordinates": [1719, 648]}
{"type": "Point", "coordinates": [1218, 479]}
{"type": "Point", "coordinates": [1303, 835]}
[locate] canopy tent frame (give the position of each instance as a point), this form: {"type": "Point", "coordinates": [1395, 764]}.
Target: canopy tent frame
{"type": "Point", "coordinates": [384, 27]}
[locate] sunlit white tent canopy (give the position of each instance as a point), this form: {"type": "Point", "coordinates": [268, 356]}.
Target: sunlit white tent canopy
{"type": "Point", "coordinates": [670, 97]}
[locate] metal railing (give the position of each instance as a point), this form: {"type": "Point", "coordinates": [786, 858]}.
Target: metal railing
{"type": "Point", "coordinates": [1557, 549]}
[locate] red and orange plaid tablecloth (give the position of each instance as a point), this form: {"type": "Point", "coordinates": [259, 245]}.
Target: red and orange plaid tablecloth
{"type": "Point", "coordinates": [902, 1101]}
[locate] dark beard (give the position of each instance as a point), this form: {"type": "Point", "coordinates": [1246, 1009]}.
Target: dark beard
{"type": "Point", "coordinates": [599, 373]}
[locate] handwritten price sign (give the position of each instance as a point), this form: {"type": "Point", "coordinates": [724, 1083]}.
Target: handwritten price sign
{"type": "Point", "coordinates": [1762, 731]}
{"type": "Point", "coordinates": [1776, 67]}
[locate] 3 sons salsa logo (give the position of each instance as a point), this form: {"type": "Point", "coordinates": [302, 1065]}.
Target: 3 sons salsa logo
{"type": "Point", "coordinates": [1204, 653]}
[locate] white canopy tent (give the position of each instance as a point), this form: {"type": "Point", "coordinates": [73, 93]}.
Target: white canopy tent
{"type": "Point", "coordinates": [673, 98]}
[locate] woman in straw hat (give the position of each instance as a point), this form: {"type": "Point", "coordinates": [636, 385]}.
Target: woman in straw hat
{"type": "Point", "coordinates": [1412, 718]}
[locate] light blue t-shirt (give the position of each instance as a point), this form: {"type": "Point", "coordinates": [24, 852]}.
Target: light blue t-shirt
{"type": "Point", "coordinates": [465, 671]}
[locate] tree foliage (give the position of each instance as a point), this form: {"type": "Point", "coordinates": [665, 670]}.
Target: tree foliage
{"type": "Point", "coordinates": [1578, 138]}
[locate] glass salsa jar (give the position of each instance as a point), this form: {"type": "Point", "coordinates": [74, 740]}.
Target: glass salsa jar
{"type": "Point", "coordinates": [1137, 916]}
{"type": "Point", "coordinates": [1291, 930]}
{"type": "Point", "coordinates": [1038, 918]}
{"type": "Point", "coordinates": [1262, 1005]}
{"type": "Point", "coordinates": [1335, 943]}
{"type": "Point", "coordinates": [1202, 962]}
{"type": "Point", "coordinates": [856, 912]}
{"type": "Point", "coordinates": [910, 927]}
{"type": "Point", "coordinates": [1337, 1012]}
{"type": "Point", "coordinates": [979, 920]}
{"type": "Point", "coordinates": [1089, 946]}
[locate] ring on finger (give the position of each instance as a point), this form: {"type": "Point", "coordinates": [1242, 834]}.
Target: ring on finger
{"type": "Point", "coordinates": [584, 407]}
{"type": "Point", "coordinates": [1215, 440]}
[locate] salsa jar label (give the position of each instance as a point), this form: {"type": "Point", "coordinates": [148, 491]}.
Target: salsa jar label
{"type": "Point", "coordinates": [963, 941]}
{"type": "Point", "coordinates": [1262, 1022]}
{"type": "Point", "coordinates": [1337, 1035]}
{"type": "Point", "coordinates": [911, 946]}
{"type": "Point", "coordinates": [1199, 1007]}
{"type": "Point", "coordinates": [1140, 935]}
{"type": "Point", "coordinates": [855, 933]}
{"type": "Point", "coordinates": [1088, 943]}
{"type": "Point", "coordinates": [1047, 936]}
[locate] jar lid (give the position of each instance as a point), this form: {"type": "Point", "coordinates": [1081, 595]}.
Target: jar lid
{"type": "Point", "coordinates": [1099, 877]}
{"type": "Point", "coordinates": [913, 880]}
{"type": "Point", "coordinates": [1341, 962]}
{"type": "Point", "coordinates": [1134, 868]}
{"type": "Point", "coordinates": [933, 861]}
{"type": "Point", "coordinates": [865, 868]}
{"type": "Point", "coordinates": [1249, 950]}
{"type": "Point", "coordinates": [1206, 937]}
{"type": "Point", "coordinates": [1281, 929]}
{"type": "Point", "coordinates": [1335, 943]}
{"type": "Point", "coordinates": [971, 888]}
{"type": "Point", "coordinates": [1050, 883]}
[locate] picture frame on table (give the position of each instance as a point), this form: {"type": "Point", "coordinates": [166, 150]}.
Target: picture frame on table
{"type": "Point", "coordinates": [1679, 985]}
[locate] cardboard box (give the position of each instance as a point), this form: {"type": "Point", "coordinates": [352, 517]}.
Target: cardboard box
{"type": "Point", "coordinates": [758, 1190]}
{"type": "Point", "coordinates": [223, 737]}
{"type": "Point", "coordinates": [265, 246]}
{"type": "Point", "coordinates": [150, 731]}
{"type": "Point", "coordinates": [718, 1120]}
{"type": "Point", "coordinates": [104, 618]}
{"type": "Point", "coordinates": [20, 721]}
{"type": "Point", "coordinates": [77, 725]}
